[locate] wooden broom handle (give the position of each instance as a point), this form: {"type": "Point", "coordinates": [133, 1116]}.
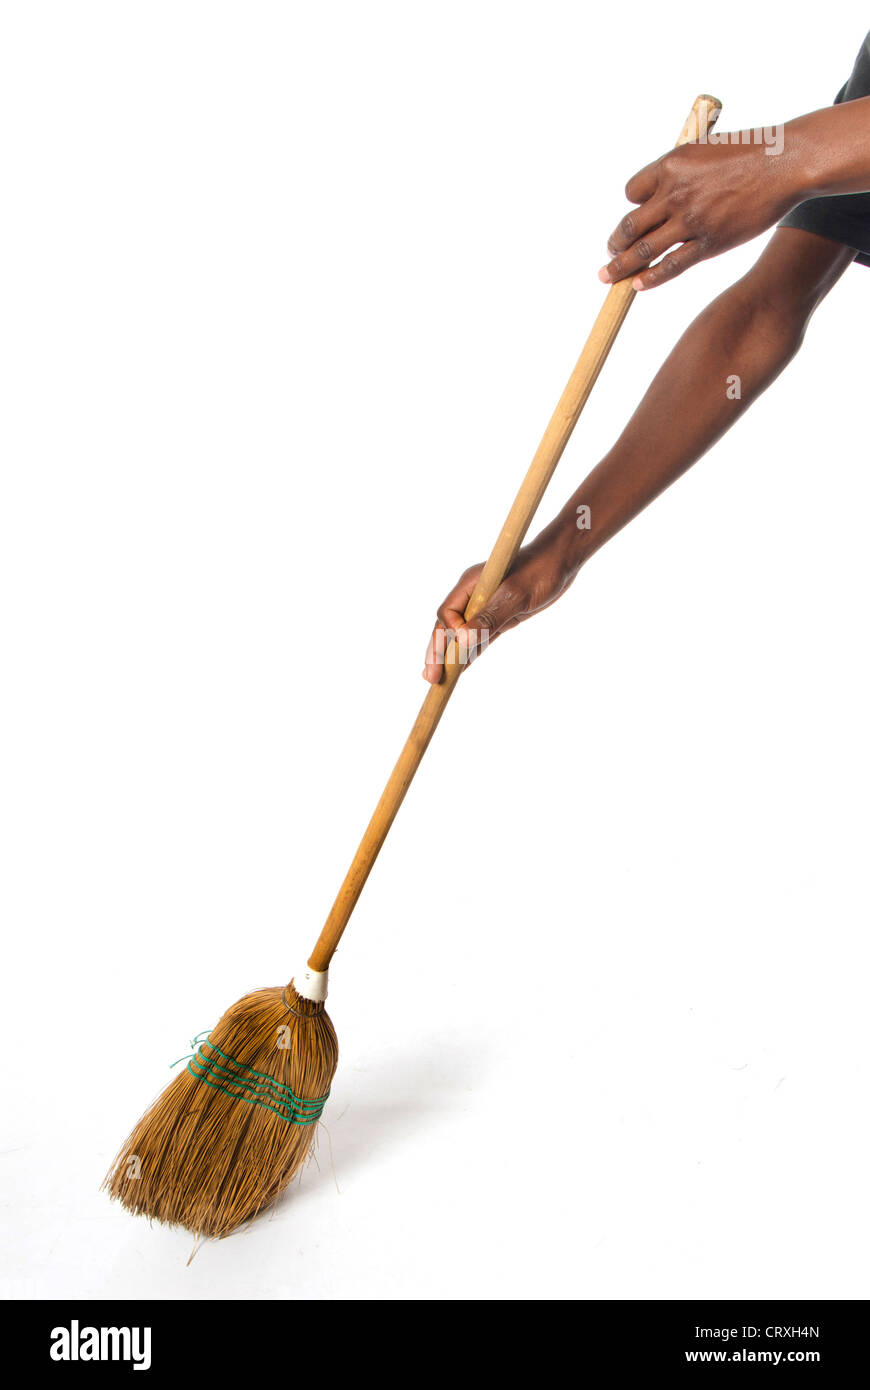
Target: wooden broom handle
{"type": "Point", "coordinates": [608, 323]}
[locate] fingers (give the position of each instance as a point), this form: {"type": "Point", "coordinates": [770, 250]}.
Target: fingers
{"type": "Point", "coordinates": [451, 615]}
{"type": "Point", "coordinates": [670, 266]}
{"type": "Point", "coordinates": [433, 663]}
{"type": "Point", "coordinates": [636, 224]}
{"type": "Point", "coordinates": [643, 184]}
{"type": "Point", "coordinates": [641, 244]}
{"type": "Point", "coordinates": [504, 610]}
{"type": "Point", "coordinates": [640, 251]}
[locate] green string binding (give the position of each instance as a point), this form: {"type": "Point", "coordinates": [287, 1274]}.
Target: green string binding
{"type": "Point", "coordinates": [253, 1087]}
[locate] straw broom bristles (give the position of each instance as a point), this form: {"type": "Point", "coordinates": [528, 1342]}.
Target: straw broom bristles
{"type": "Point", "coordinates": [208, 1160]}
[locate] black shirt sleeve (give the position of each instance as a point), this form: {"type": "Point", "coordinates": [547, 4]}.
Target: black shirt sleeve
{"type": "Point", "coordinates": [845, 217]}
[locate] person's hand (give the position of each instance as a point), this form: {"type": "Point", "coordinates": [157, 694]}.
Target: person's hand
{"type": "Point", "coordinates": [701, 200]}
{"type": "Point", "coordinates": [540, 574]}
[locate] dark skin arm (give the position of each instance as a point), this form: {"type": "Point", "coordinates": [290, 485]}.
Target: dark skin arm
{"type": "Point", "coordinates": [700, 200]}
{"type": "Point", "coordinates": [752, 330]}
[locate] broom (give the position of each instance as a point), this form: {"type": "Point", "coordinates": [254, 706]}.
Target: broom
{"type": "Point", "coordinates": [231, 1131]}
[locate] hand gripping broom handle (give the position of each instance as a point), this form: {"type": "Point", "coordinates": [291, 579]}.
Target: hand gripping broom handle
{"type": "Point", "coordinates": [608, 323]}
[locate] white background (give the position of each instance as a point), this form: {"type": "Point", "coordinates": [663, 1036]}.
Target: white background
{"type": "Point", "coordinates": [288, 293]}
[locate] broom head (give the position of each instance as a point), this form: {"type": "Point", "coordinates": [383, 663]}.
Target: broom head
{"type": "Point", "coordinates": [234, 1127]}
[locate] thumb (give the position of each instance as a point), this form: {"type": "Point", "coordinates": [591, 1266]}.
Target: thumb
{"type": "Point", "coordinates": [474, 635]}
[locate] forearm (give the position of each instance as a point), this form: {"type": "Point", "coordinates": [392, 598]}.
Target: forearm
{"type": "Point", "coordinates": [732, 351]}
{"type": "Point", "coordinates": [828, 151]}
{"type": "Point", "coordinates": [723, 362]}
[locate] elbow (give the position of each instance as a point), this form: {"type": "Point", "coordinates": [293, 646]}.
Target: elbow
{"type": "Point", "coordinates": [768, 323]}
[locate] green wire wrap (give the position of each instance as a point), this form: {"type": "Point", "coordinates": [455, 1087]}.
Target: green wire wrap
{"type": "Point", "coordinates": [241, 1082]}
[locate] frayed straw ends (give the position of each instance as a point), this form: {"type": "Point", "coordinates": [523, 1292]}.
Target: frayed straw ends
{"type": "Point", "coordinates": [232, 1130]}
